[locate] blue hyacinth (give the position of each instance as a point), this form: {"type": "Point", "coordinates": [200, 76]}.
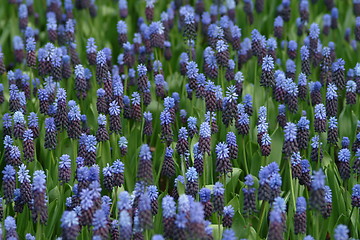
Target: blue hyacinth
{"type": "Point", "coordinates": [290, 131]}
{"type": "Point", "coordinates": [168, 207]}
{"type": "Point", "coordinates": [320, 112]}
{"type": "Point", "coordinates": [344, 155]}
{"type": "Point", "coordinates": [331, 92]}
{"type": "Point", "coordinates": [341, 232]}
{"type": "Point", "coordinates": [318, 180]}
{"type": "Point", "coordinates": [314, 31]}
{"type": "Point", "coordinates": [301, 205]}
{"type": "Point", "coordinates": [268, 63]}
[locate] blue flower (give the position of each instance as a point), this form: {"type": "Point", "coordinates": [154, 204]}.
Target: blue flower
{"type": "Point", "coordinates": [192, 69]}
{"type": "Point", "coordinates": [10, 224]}
{"type": "Point", "coordinates": [183, 134]}
{"type": "Point", "coordinates": [124, 202]}
{"type": "Point", "coordinates": [331, 92]}
{"type": "Point", "coordinates": [300, 205]}
{"type": "Point", "coordinates": [18, 43]}
{"type": "Point", "coordinates": [315, 142]}
{"type": "Point", "coordinates": [268, 63]}
{"type": "Point", "coordinates": [218, 189]}
{"type": "Point", "coordinates": [30, 44]}
{"type": "Point", "coordinates": [351, 86]}
{"type": "Point", "coordinates": [290, 66]}
{"type": "Point", "coordinates": [279, 22]}
{"type": "Point", "coordinates": [181, 220]}
{"type": "Point", "coordinates": [341, 232]}
{"type": "Point", "coordinates": [184, 58]}
{"type": "Point", "coordinates": [135, 100]}
{"type": "Point", "coordinates": [356, 191]}
{"type": "Point", "coordinates": [50, 125]}
{"type": "Point", "coordinates": [65, 161]}
{"type": "Point", "coordinates": [9, 173]}
{"type": "Point", "coordinates": [101, 58]}
{"type": "Point", "coordinates": [23, 174]}
{"type": "Point", "coordinates": [39, 181]}
{"type": "Point", "coordinates": [144, 202]}
{"type": "Point", "coordinates": [266, 139]}
{"type": "Point", "coordinates": [303, 123]}
{"type": "Point", "coordinates": [168, 207]}
{"type": "Point", "coordinates": [19, 118]}
{"type": "Point", "coordinates": [221, 46]}
{"type": "Point", "coordinates": [314, 31]}
{"type": "Point", "coordinates": [145, 153]}
{"type": "Point", "coordinates": [333, 123]}
{"type": "Point", "coordinates": [335, 13]}
{"type": "Point", "coordinates": [69, 219]}
{"type": "Point", "coordinates": [290, 131]}
{"type": "Point", "coordinates": [292, 45]}
{"type": "Point", "coordinates": [101, 119]}
{"type": "Point", "coordinates": [304, 52]}
{"type": "Point", "coordinates": [255, 35]}
{"type": "Point", "coordinates": [318, 180]}
{"type": "Point", "coordinates": [229, 211]}
{"type": "Point", "coordinates": [114, 108]}
{"type": "Point", "coordinates": [99, 220]}
{"type": "Point", "coordinates": [90, 143]}
{"type": "Point", "coordinates": [327, 20]}
{"type": "Point", "coordinates": [275, 216]}
{"type": "Point", "coordinates": [152, 192]}
{"type": "Point", "coordinates": [344, 155]}
{"type": "Point", "coordinates": [320, 112]}
{"type": "Point", "coordinates": [123, 142]}
{"type": "Point", "coordinates": [191, 174]}
{"type": "Point", "coordinates": [229, 234]}
{"type": "Point", "coordinates": [328, 194]}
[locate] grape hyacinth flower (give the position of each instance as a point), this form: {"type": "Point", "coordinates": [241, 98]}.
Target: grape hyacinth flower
{"type": "Point", "coordinates": [80, 82]}
{"type": "Point", "coordinates": [18, 46]}
{"type": "Point", "coordinates": [19, 125]}
{"type": "Point", "coordinates": [28, 146]}
{"type": "Point", "coordinates": [182, 145]}
{"type": "Point", "coordinates": [223, 164]}
{"type": "Point", "coordinates": [145, 215]}
{"type": "Point", "coordinates": [64, 168]}
{"type": "Point", "coordinates": [33, 124]}
{"type": "Point", "coordinates": [278, 27]}
{"type": "Point", "coordinates": [341, 232]}
{"type": "Point", "coordinates": [292, 49]}
{"type": "Point", "coordinates": [50, 134]}
{"type": "Point", "coordinates": [316, 150]}
{"type": "Point", "coordinates": [70, 225]}
{"type": "Point", "coordinates": [101, 104]}
{"type": "Point", "coordinates": [229, 106]}
{"type": "Point", "coordinates": [91, 51]}
{"type": "Point", "coordinates": [338, 73]}
{"type": "Point", "coordinates": [267, 75]}
{"type": "Point", "coordinates": [10, 227]}
{"type": "Point", "coordinates": [100, 224]}
{"type": "Point", "coordinates": [192, 187]}
{"type": "Point", "coordinates": [315, 93]}
{"type": "Point", "coordinates": [232, 145]}
{"type": "Point", "coordinates": [7, 124]}
{"type": "Point", "coordinates": [117, 170]}
{"type": "Point", "coordinates": [205, 197]}
{"type": "Point", "coordinates": [74, 126]}
{"type": "Point", "coordinates": [314, 32]}
{"type": "Point", "coordinates": [39, 208]}
{"type": "Point", "coordinates": [168, 214]}
{"type": "Point", "coordinates": [166, 120]}
{"type": "Point", "coordinates": [222, 53]}
{"type": "Point", "coordinates": [102, 134]}
{"type": "Point", "coordinates": [25, 185]}
{"type": "Point", "coordinates": [296, 165]}
{"type": "Point", "coordinates": [351, 87]}
{"type": "Point", "coordinates": [281, 117]}
{"type": "Point", "coordinates": [192, 128]}
{"type": "Point", "coordinates": [30, 52]}
{"type": "Point", "coordinates": [9, 183]}
{"type": "Point", "coordinates": [90, 150]}
{"type": "Point", "coordinates": [249, 195]}
{"type": "Point", "coordinates": [101, 66]}
{"type": "Point", "coordinates": [276, 228]}
{"type": "Point", "coordinates": [333, 131]}
{"type": "Point", "coordinates": [320, 118]}
{"type": "Point", "coordinates": [228, 215]}
{"type": "Point", "coordinates": [303, 132]}
{"type": "Point", "coordinates": [153, 195]}
{"type": "Point", "coordinates": [218, 198]}
{"type": "Point", "coordinates": [355, 197]}
{"type": "Point", "coordinates": [168, 167]}
{"type": "Point", "coordinates": [305, 60]}
{"type": "Point", "coordinates": [125, 223]}
{"type": "Point", "coordinates": [108, 179]}
{"type": "Point", "coordinates": [136, 108]}
{"type": "Point", "coordinates": [115, 119]}
{"type": "Point", "coordinates": [344, 163]}
{"type": "Point", "coordinates": [300, 216]}
{"type": "Point", "coordinates": [302, 86]}
{"type": "Point", "coordinates": [248, 9]}
{"type": "Point", "coordinates": [317, 193]}
{"type": "Point", "coordinates": [290, 143]}
{"type": "Point", "coordinates": [327, 207]}
{"type": "Point", "coordinates": [145, 165]}
{"type": "Point", "coordinates": [331, 100]}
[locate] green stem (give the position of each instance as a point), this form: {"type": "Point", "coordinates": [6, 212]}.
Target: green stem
{"type": "Point", "coordinates": [244, 153]}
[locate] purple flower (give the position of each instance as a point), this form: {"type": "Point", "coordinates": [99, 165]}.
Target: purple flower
{"type": "Point", "coordinates": [318, 180]}
{"type": "Point", "coordinates": [314, 31]}
{"type": "Point", "coordinates": [341, 232]}
{"type": "Point", "coordinates": [290, 131]}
